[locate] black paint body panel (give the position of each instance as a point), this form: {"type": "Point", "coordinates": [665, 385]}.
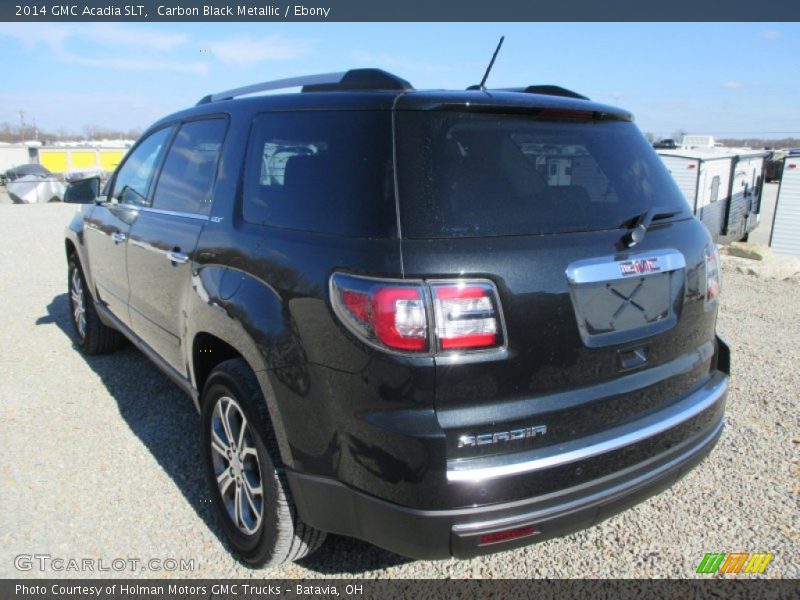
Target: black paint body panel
{"type": "Point", "coordinates": [386, 427]}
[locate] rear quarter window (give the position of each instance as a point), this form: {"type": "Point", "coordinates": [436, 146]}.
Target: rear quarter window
{"type": "Point", "coordinates": [322, 171]}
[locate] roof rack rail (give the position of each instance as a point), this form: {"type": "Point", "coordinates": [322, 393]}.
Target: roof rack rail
{"type": "Point", "coordinates": [354, 79]}
{"type": "Point", "coordinates": [547, 90]}
{"type": "Point", "coordinates": [363, 79]}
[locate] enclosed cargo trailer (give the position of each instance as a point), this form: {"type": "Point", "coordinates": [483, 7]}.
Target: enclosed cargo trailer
{"type": "Point", "coordinates": [785, 236]}
{"type": "Point", "coordinates": [722, 185]}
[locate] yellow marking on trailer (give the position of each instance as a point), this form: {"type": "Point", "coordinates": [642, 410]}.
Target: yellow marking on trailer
{"type": "Point", "coordinates": [84, 159]}
{"type": "Point", "coordinates": [109, 159]}
{"type": "Point", "coordinates": [54, 161]}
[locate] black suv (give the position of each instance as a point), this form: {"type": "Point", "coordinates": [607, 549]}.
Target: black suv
{"type": "Point", "coordinates": [445, 322]}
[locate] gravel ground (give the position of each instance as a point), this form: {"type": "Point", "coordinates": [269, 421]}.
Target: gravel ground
{"type": "Point", "coordinates": [101, 459]}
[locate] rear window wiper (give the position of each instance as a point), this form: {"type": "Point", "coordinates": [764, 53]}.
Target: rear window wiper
{"type": "Point", "coordinates": [638, 225]}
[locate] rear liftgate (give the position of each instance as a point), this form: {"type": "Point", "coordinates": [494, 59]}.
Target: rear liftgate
{"type": "Point", "coordinates": [620, 300]}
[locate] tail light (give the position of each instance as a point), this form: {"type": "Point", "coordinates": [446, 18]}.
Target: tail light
{"type": "Point", "coordinates": [712, 274]}
{"type": "Point", "coordinates": [386, 314]}
{"type": "Point", "coordinates": [466, 315]}
{"type": "Point", "coordinates": [419, 317]}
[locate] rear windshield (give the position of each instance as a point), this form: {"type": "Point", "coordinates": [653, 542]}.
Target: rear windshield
{"type": "Point", "coordinates": [478, 174]}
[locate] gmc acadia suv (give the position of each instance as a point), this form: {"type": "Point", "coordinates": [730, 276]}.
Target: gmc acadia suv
{"type": "Point", "coordinates": [445, 322]}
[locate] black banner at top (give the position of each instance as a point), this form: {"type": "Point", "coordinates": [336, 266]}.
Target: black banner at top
{"type": "Point", "coordinates": [400, 10]}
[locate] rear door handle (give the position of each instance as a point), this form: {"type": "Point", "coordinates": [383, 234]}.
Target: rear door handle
{"type": "Point", "coordinates": [177, 257]}
{"type": "Point", "coordinates": [118, 237]}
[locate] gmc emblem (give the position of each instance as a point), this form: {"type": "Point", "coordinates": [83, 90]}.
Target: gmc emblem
{"type": "Point", "coordinates": [639, 267]}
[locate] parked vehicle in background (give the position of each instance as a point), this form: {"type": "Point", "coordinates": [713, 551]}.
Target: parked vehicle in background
{"type": "Point", "coordinates": [668, 143]}
{"type": "Point", "coordinates": [446, 322]}
{"type": "Point", "coordinates": [32, 184]}
{"type": "Point", "coordinates": [15, 173]}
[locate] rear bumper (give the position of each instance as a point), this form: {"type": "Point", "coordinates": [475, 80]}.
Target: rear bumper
{"type": "Point", "coordinates": [337, 508]}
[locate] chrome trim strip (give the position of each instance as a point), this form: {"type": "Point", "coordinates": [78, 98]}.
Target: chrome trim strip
{"type": "Point", "coordinates": [583, 448]}
{"type": "Point", "coordinates": [607, 268]}
{"type": "Point", "coordinates": [601, 497]}
{"type": "Point", "coordinates": [174, 213]}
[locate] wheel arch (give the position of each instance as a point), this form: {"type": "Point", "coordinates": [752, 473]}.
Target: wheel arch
{"type": "Point", "coordinates": [74, 245]}
{"type": "Point", "coordinates": [70, 248]}
{"type": "Point", "coordinates": [208, 351]}
{"type": "Point", "coordinates": [218, 329]}
{"type": "Point", "coordinates": [73, 250]}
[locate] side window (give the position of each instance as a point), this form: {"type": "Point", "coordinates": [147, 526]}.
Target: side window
{"type": "Point", "coordinates": [134, 177]}
{"type": "Point", "coordinates": [322, 171]}
{"type": "Point", "coordinates": [187, 179]}
{"type": "Point", "coordinates": [715, 188]}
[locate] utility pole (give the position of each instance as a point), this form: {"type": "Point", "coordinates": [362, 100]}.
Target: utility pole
{"type": "Point", "coordinates": [21, 125]}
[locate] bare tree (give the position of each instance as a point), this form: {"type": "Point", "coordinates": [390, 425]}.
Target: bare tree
{"type": "Point", "coordinates": [678, 134]}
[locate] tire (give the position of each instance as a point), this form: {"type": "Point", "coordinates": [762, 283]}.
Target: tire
{"type": "Point", "coordinates": [266, 530]}
{"type": "Point", "coordinates": [91, 335]}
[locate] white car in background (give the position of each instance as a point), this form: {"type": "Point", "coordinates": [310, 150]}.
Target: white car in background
{"type": "Point", "coordinates": [32, 184]}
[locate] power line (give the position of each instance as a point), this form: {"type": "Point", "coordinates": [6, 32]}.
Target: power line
{"type": "Point", "coordinates": [747, 132]}
{"type": "Point", "coordinates": [755, 132]}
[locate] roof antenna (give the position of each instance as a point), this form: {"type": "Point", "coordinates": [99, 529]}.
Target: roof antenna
{"type": "Point", "coordinates": [482, 84]}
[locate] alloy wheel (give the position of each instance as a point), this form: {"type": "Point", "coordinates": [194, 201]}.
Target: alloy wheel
{"type": "Point", "coordinates": [78, 303]}
{"type": "Point", "coordinates": [236, 465]}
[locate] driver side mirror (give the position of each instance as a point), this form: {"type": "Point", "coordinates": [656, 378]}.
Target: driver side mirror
{"type": "Point", "coordinates": [84, 191]}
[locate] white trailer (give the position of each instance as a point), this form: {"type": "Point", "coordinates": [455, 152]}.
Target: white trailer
{"type": "Point", "coordinates": [699, 141]}
{"type": "Point", "coordinates": [785, 237]}
{"type": "Point", "coordinates": [723, 186]}
{"type": "Point", "coordinates": [748, 182]}
{"type": "Point", "coordinates": [12, 155]}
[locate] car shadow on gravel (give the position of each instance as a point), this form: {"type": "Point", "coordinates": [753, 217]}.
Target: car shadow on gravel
{"type": "Point", "coordinates": [166, 422]}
